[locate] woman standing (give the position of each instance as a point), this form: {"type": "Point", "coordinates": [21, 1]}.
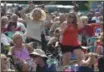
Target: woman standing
{"type": "Point", "coordinates": [35, 24]}
{"type": "Point", "coordinates": [69, 40]}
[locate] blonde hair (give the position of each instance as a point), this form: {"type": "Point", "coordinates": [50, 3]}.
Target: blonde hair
{"type": "Point", "coordinates": [81, 19]}
{"type": "Point", "coordinates": [17, 34]}
{"type": "Point", "coordinates": [84, 18]}
{"type": "Point", "coordinates": [43, 14]}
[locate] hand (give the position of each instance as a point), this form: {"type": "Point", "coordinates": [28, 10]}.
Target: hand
{"type": "Point", "coordinates": [90, 55]}
{"type": "Point", "coordinates": [57, 44]}
{"type": "Point", "coordinates": [34, 66]}
{"type": "Point", "coordinates": [20, 60]}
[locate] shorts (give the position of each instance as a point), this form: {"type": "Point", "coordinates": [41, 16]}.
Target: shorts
{"type": "Point", "coordinates": [65, 48]}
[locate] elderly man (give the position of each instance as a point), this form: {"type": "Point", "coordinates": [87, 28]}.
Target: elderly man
{"type": "Point", "coordinates": [40, 58]}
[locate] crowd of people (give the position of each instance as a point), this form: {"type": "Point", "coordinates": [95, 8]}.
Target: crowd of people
{"type": "Point", "coordinates": [69, 34]}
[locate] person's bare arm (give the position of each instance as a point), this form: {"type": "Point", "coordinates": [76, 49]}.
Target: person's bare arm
{"type": "Point", "coordinates": [86, 62]}
{"type": "Point", "coordinates": [26, 10]}
{"type": "Point", "coordinates": [11, 51]}
{"type": "Point", "coordinates": [53, 39]}
{"type": "Point", "coordinates": [63, 27]}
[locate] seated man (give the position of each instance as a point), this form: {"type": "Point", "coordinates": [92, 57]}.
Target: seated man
{"type": "Point", "coordinates": [40, 58]}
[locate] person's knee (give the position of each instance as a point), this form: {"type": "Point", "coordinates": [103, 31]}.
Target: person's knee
{"type": "Point", "coordinates": [66, 57]}
{"type": "Point", "coordinates": [79, 54]}
{"type": "Point", "coordinates": [25, 67]}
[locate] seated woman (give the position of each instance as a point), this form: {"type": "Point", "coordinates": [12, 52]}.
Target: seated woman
{"type": "Point", "coordinates": [21, 51]}
{"type": "Point", "coordinates": [40, 58]}
{"type": "Point", "coordinates": [4, 64]}
{"type": "Point", "coordinates": [87, 64]}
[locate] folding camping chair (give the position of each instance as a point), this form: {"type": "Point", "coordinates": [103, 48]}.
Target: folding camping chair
{"type": "Point", "coordinates": [91, 41]}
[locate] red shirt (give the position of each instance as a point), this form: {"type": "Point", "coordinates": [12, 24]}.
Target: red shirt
{"type": "Point", "coordinates": [70, 36]}
{"type": "Point", "coordinates": [90, 29]}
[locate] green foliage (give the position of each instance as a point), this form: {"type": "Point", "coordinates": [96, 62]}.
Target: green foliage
{"type": "Point", "coordinates": [83, 5]}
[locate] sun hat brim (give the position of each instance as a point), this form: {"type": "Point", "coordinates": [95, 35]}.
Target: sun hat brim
{"type": "Point", "coordinates": [85, 47]}
{"type": "Point", "coordinates": [37, 54]}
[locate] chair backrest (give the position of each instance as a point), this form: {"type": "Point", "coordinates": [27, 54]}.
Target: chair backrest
{"type": "Point", "coordinates": [91, 41]}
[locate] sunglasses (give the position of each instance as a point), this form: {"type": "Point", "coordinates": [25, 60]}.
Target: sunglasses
{"type": "Point", "coordinates": [34, 56]}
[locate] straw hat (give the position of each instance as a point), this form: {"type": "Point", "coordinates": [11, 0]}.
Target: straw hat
{"type": "Point", "coordinates": [38, 52]}
{"type": "Point", "coordinates": [43, 14]}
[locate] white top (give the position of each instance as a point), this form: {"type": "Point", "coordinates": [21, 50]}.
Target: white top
{"type": "Point", "coordinates": [35, 28]}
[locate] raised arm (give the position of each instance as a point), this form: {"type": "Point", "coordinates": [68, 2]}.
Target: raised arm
{"type": "Point", "coordinates": [26, 10]}
{"type": "Point", "coordinates": [63, 27]}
